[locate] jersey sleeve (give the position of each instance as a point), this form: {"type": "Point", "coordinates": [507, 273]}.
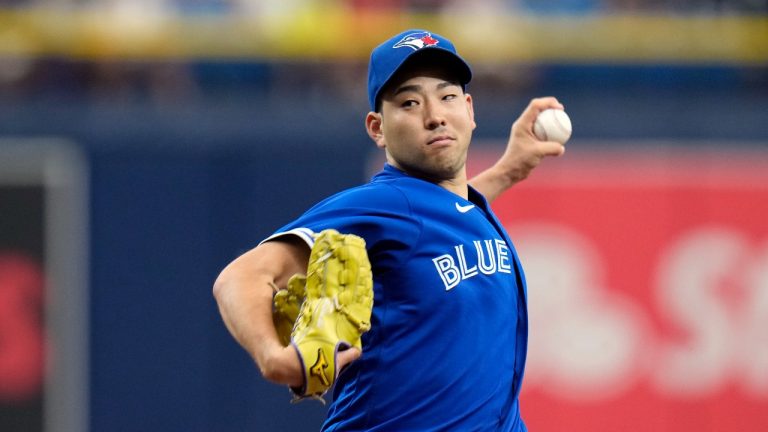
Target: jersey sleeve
{"type": "Point", "coordinates": [380, 214]}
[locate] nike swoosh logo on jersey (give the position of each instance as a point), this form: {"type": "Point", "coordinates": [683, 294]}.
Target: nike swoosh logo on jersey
{"type": "Point", "coordinates": [464, 209]}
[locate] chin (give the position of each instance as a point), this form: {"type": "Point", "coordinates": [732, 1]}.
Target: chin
{"type": "Point", "coordinates": [443, 173]}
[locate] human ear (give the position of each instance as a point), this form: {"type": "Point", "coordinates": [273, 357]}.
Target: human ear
{"type": "Point", "coordinates": [471, 110]}
{"type": "Point", "coordinates": [373, 123]}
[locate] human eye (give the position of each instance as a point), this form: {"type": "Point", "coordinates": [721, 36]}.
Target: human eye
{"type": "Point", "coordinates": [408, 103]}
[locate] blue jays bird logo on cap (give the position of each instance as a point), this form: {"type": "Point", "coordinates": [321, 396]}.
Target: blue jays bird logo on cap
{"type": "Point", "coordinates": [416, 41]}
{"type": "Point", "coordinates": [386, 59]}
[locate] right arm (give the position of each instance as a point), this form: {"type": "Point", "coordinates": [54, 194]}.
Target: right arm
{"type": "Point", "coordinates": [244, 292]}
{"type": "Point", "coordinates": [523, 153]}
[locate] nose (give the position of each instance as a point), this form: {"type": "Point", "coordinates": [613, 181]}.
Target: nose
{"type": "Point", "coordinates": [434, 116]}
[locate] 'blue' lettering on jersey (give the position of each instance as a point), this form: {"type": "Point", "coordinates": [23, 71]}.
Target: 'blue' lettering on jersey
{"type": "Point", "coordinates": [491, 256]}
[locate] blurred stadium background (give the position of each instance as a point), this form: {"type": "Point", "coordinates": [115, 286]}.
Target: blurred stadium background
{"type": "Point", "coordinates": [146, 143]}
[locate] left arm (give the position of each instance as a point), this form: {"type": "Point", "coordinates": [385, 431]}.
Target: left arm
{"type": "Point", "coordinates": [524, 152]}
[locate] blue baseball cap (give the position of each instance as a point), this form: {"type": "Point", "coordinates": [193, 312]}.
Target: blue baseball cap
{"type": "Point", "coordinates": [389, 57]}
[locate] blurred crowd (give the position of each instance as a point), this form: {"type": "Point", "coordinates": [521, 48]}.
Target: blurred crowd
{"type": "Point", "coordinates": [173, 80]}
{"type": "Point", "coordinates": [258, 7]}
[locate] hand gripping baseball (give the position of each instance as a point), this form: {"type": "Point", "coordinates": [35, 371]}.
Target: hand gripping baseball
{"type": "Point", "coordinates": [336, 310]}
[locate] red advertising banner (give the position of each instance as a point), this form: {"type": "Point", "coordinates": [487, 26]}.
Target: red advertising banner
{"type": "Point", "coordinates": [648, 289]}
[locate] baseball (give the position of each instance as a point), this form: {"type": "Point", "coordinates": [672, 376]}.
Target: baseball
{"type": "Point", "coordinates": [552, 125]}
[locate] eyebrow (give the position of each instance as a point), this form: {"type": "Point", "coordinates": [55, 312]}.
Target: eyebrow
{"type": "Point", "coordinates": [417, 87]}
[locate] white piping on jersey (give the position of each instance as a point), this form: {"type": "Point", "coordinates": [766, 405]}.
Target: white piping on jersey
{"type": "Point", "coordinates": [306, 234]}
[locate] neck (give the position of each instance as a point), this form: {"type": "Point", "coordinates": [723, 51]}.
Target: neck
{"type": "Point", "coordinates": [457, 185]}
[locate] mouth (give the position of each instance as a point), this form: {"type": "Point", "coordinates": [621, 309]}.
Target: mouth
{"type": "Point", "coordinates": [440, 140]}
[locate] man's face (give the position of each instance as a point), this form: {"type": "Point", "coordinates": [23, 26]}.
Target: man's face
{"type": "Point", "coordinates": [426, 124]}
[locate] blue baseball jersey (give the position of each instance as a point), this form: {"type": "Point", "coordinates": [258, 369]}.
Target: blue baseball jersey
{"type": "Point", "coordinates": [449, 328]}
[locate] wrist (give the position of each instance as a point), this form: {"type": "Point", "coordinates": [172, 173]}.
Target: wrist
{"type": "Point", "coordinates": [281, 365]}
{"type": "Point", "coordinates": [507, 174]}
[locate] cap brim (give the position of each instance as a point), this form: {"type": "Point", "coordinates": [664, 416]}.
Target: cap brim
{"type": "Point", "coordinates": [457, 64]}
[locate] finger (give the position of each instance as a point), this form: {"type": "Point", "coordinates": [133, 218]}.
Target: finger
{"type": "Point", "coordinates": [538, 105]}
{"type": "Point", "coordinates": [289, 369]}
{"type": "Point", "coordinates": [343, 358]}
{"type": "Point", "coordinates": [547, 102]}
{"type": "Point", "coordinates": [551, 148]}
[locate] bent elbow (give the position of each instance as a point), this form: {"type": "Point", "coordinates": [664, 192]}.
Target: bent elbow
{"type": "Point", "coordinates": [219, 285]}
